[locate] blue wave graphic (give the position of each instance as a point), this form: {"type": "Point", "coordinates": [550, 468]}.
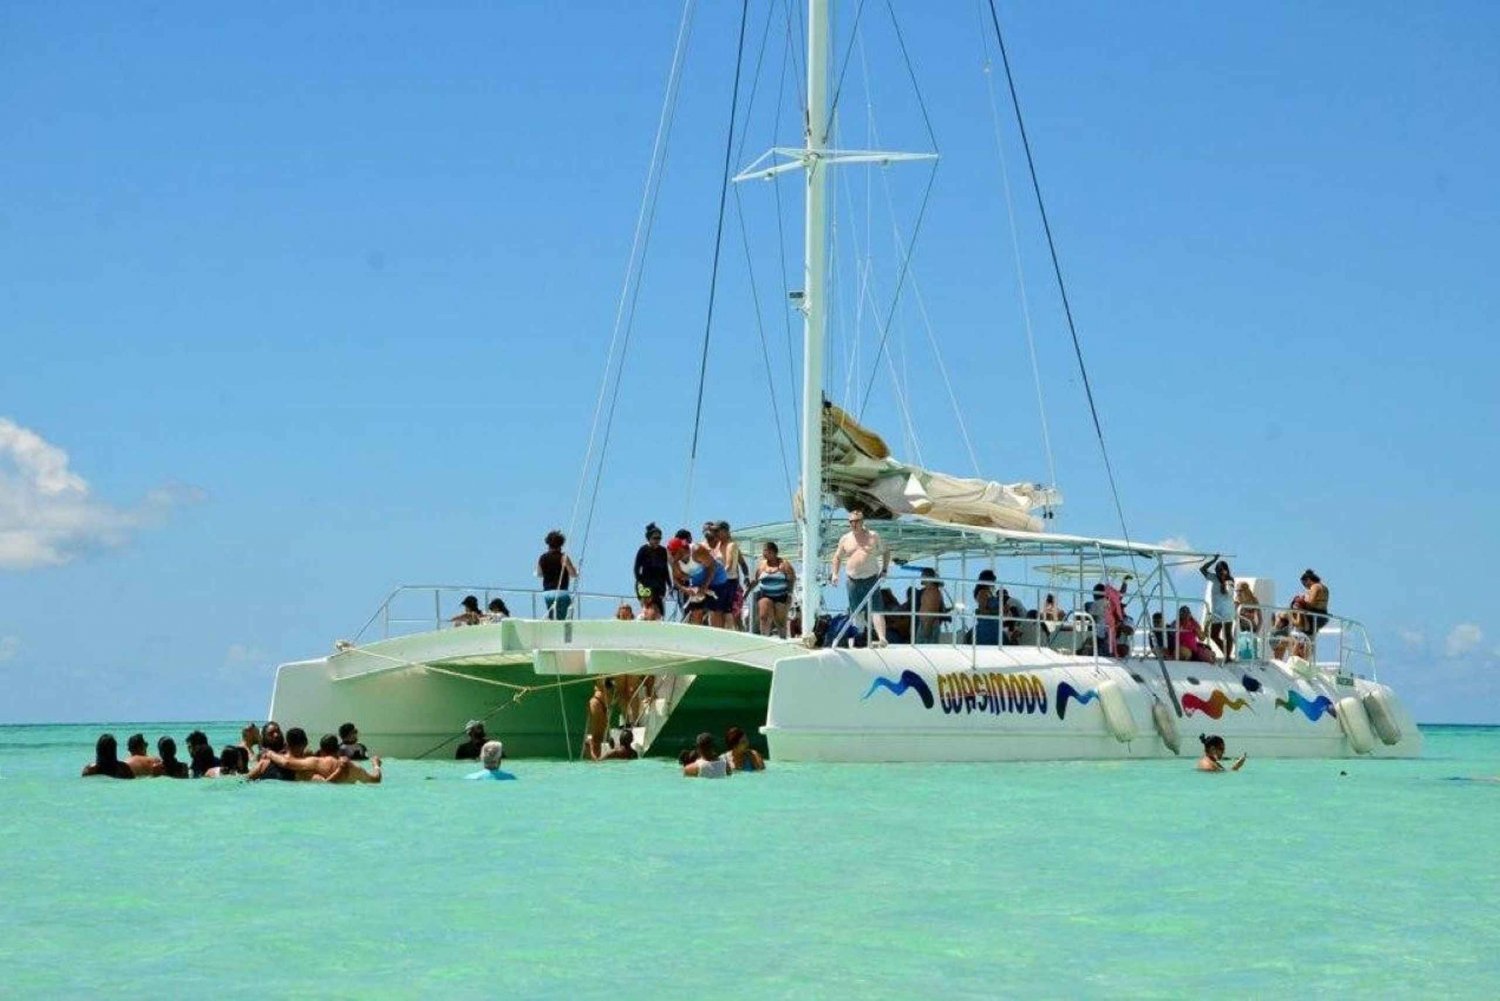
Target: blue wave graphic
{"type": "Point", "coordinates": [1313, 709]}
{"type": "Point", "coordinates": [910, 681]}
{"type": "Point", "coordinates": [1066, 691]}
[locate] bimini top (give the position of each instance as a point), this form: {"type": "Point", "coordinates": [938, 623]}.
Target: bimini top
{"type": "Point", "coordinates": [913, 537]}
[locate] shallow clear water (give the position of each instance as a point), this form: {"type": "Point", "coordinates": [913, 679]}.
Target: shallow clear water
{"type": "Point", "coordinates": [1083, 879]}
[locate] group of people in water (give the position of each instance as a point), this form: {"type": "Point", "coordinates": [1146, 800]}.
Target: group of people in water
{"type": "Point", "coordinates": [263, 752]}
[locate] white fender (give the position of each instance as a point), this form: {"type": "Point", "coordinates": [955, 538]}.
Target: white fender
{"type": "Point", "coordinates": [1380, 706]}
{"type": "Point", "coordinates": [1116, 711]}
{"type": "Point", "coordinates": [1166, 726]}
{"type": "Point", "coordinates": [1356, 724]}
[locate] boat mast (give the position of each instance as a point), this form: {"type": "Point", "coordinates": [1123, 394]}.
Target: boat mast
{"type": "Point", "coordinates": [814, 306]}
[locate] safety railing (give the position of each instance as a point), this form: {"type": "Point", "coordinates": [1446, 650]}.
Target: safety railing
{"type": "Point", "coordinates": [414, 608]}
{"type": "Point", "coordinates": [1338, 645]}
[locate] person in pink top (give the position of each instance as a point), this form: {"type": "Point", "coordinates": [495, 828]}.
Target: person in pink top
{"type": "Point", "coordinates": [1190, 644]}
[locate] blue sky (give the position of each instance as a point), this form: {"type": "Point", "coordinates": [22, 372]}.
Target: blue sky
{"type": "Point", "coordinates": [302, 304]}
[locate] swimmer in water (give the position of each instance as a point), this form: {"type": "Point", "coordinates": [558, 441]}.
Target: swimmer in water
{"type": "Point", "coordinates": [1213, 755]}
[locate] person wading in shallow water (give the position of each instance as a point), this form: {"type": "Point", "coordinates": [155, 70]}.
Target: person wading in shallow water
{"type": "Point", "coordinates": [1213, 755]}
{"type": "Point", "coordinates": [107, 763]}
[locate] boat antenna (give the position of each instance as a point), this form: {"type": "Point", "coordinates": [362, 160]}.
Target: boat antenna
{"type": "Point", "coordinates": [1062, 288]}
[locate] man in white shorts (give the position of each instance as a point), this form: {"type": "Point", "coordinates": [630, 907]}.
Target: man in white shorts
{"type": "Point", "coordinates": [865, 557]}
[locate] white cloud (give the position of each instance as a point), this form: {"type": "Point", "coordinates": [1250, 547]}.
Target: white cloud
{"type": "Point", "coordinates": [49, 516]}
{"type": "Point", "coordinates": [9, 645]}
{"type": "Point", "coordinates": [1411, 637]}
{"type": "Point", "coordinates": [1176, 542]}
{"type": "Point", "coordinates": [1462, 639]}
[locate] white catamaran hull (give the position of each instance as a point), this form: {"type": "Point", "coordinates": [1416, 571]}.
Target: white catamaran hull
{"type": "Point", "coordinates": [530, 681]}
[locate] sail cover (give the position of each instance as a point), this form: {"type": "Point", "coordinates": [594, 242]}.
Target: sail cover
{"type": "Point", "coordinates": [859, 470]}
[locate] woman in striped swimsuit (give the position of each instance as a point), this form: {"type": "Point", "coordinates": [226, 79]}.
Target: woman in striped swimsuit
{"type": "Point", "coordinates": [775, 578]}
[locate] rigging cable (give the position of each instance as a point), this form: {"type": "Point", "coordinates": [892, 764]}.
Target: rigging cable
{"type": "Point", "coordinates": [1015, 246]}
{"type": "Point", "coordinates": [630, 292]}
{"type": "Point", "coordinates": [713, 279]}
{"type": "Point", "coordinates": [921, 212]}
{"type": "Point", "coordinates": [739, 209]}
{"type": "Point", "coordinates": [1057, 271]}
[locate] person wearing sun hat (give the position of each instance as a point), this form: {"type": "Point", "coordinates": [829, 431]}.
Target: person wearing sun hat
{"type": "Point", "coordinates": [469, 749]}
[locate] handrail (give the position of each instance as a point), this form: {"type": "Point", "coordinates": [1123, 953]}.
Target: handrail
{"type": "Point", "coordinates": [1353, 647]}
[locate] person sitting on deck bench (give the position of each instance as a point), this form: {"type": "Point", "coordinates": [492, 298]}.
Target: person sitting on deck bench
{"type": "Point", "coordinates": [986, 610]}
{"type": "Point", "coordinates": [932, 610]}
{"type": "Point", "coordinates": [470, 616]}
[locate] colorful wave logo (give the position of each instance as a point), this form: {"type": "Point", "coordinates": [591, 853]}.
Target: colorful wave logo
{"type": "Point", "coordinates": [1066, 691]}
{"type": "Point", "coordinates": [1313, 709]}
{"type": "Point", "coordinates": [910, 681]}
{"type": "Point", "coordinates": [1213, 707]}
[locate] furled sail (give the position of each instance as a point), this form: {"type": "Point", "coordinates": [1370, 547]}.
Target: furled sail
{"type": "Point", "coordinates": [858, 469]}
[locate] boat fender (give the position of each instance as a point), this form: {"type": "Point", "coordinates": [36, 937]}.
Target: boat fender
{"type": "Point", "coordinates": [1166, 726]}
{"type": "Point", "coordinates": [1356, 724]}
{"type": "Point", "coordinates": [1379, 707]}
{"type": "Point", "coordinates": [1116, 711]}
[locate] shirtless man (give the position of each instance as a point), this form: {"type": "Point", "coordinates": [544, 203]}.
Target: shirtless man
{"type": "Point", "coordinates": [727, 552]}
{"type": "Point", "coordinates": [326, 768]}
{"type": "Point", "coordinates": [140, 761]}
{"type": "Point", "coordinates": [864, 555]}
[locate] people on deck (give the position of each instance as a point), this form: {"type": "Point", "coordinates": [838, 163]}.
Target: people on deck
{"type": "Point", "coordinates": [709, 595]}
{"type": "Point", "coordinates": [1287, 640]}
{"type": "Point", "coordinates": [624, 613]}
{"type": "Point", "coordinates": [986, 610]}
{"type": "Point", "coordinates": [773, 582]}
{"type": "Point", "coordinates": [862, 555]}
{"type": "Point", "coordinates": [470, 616]}
{"type": "Point", "coordinates": [1213, 755]}
{"type": "Point", "coordinates": [349, 745]}
{"type": "Point", "coordinates": [1051, 611]}
{"type": "Point", "coordinates": [139, 760]}
{"type": "Point", "coordinates": [1221, 604]}
{"type": "Point", "coordinates": [742, 757]}
{"type": "Point", "coordinates": [727, 552]}
{"type": "Point", "coordinates": [491, 757]}
{"type": "Point", "coordinates": [1312, 603]}
{"type": "Point", "coordinates": [931, 608]}
{"type": "Point", "coordinates": [166, 749]}
{"type": "Point", "coordinates": [1163, 638]}
{"type": "Point", "coordinates": [708, 764]}
{"type": "Point", "coordinates": [1191, 644]}
{"type": "Point", "coordinates": [469, 749]}
{"type": "Point", "coordinates": [497, 612]}
{"type": "Point", "coordinates": [107, 763]}
{"type": "Point", "coordinates": [652, 572]}
{"type": "Point", "coordinates": [557, 572]}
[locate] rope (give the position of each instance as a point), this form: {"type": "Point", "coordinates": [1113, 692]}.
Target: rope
{"type": "Point", "coordinates": [1015, 245]}
{"type": "Point", "coordinates": [713, 280]}
{"type": "Point", "coordinates": [631, 290]}
{"type": "Point", "coordinates": [1062, 288]}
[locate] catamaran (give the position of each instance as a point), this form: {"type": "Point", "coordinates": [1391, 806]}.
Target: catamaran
{"type": "Point", "coordinates": [992, 679]}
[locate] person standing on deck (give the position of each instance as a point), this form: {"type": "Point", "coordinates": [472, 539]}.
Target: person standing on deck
{"type": "Point", "coordinates": [727, 552]}
{"type": "Point", "coordinates": [862, 553]}
{"type": "Point", "coordinates": [652, 572]}
{"type": "Point", "coordinates": [557, 572]}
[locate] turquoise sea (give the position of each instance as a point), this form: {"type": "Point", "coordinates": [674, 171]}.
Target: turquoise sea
{"type": "Point", "coordinates": [627, 881]}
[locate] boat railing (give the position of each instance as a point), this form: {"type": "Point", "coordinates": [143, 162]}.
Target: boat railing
{"type": "Point", "coordinates": [414, 608]}
{"type": "Point", "coordinates": [1341, 646]}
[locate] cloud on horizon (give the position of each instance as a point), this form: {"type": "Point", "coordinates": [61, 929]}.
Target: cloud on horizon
{"type": "Point", "coordinates": [48, 513]}
{"type": "Point", "coordinates": [1463, 639]}
{"type": "Point", "coordinates": [9, 647]}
